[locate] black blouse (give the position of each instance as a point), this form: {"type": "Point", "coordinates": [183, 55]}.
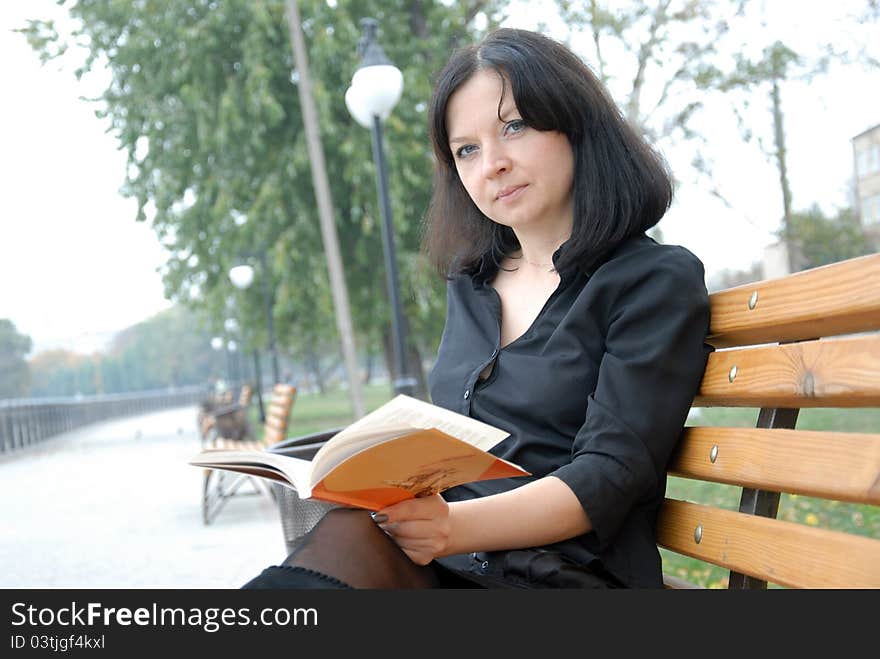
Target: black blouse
{"type": "Point", "coordinates": [596, 392]}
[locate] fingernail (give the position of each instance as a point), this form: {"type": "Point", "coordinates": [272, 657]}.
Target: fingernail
{"type": "Point", "coordinates": [379, 518]}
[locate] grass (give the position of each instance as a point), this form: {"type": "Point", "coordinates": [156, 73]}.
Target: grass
{"type": "Point", "coordinates": [852, 518]}
{"type": "Point", "coordinates": [315, 412]}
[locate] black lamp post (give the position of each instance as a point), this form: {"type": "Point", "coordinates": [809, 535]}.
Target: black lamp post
{"type": "Point", "coordinates": [242, 276]}
{"type": "Point", "coordinates": [375, 89]}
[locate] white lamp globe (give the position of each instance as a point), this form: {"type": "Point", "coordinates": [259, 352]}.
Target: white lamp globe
{"type": "Point", "coordinates": [379, 88]}
{"type": "Point", "coordinates": [216, 343]}
{"type": "Point", "coordinates": [241, 276]}
{"type": "Point", "coordinates": [357, 107]}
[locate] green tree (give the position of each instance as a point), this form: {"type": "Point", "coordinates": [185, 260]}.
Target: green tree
{"type": "Point", "coordinates": [14, 372]}
{"type": "Point", "coordinates": [173, 348]}
{"type": "Point", "coordinates": [652, 56]}
{"type": "Point", "coordinates": [777, 65]}
{"type": "Point", "coordinates": [821, 240]}
{"type": "Point", "coordinates": [659, 60]}
{"type": "Point", "coordinates": [203, 100]}
{"type": "Point", "coordinates": [663, 61]}
{"type": "Point", "coordinates": [56, 372]}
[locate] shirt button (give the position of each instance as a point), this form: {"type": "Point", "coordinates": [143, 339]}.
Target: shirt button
{"type": "Point", "coordinates": [467, 394]}
{"type": "Point", "coordinates": [484, 565]}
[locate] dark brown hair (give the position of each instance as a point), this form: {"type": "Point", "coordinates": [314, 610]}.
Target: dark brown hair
{"type": "Point", "coordinates": [621, 185]}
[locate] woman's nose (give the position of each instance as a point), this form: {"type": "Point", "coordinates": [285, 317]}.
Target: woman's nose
{"type": "Point", "coordinates": [495, 161]}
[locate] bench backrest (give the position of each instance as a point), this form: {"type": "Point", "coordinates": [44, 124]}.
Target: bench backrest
{"type": "Point", "coordinates": [278, 414]}
{"type": "Point", "coordinates": [807, 340]}
{"type": "Point", "coordinates": [245, 394]}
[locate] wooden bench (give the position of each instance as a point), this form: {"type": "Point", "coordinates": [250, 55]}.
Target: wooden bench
{"type": "Point", "coordinates": [808, 340]}
{"type": "Point", "coordinates": [220, 417]}
{"type": "Point", "coordinates": [219, 486]}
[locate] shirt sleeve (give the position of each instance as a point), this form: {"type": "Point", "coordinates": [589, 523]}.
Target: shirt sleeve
{"type": "Point", "coordinates": [655, 354]}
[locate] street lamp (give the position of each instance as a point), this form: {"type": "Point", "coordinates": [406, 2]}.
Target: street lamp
{"type": "Point", "coordinates": [375, 89]}
{"type": "Point", "coordinates": [242, 276]}
{"type": "Point", "coordinates": [217, 344]}
{"type": "Point", "coordinates": [231, 350]}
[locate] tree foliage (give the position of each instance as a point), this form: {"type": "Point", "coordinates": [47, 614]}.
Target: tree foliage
{"type": "Point", "coordinates": [656, 58]}
{"type": "Point", "coordinates": [203, 100]}
{"type": "Point", "coordinates": [173, 348]}
{"type": "Point", "coordinates": [768, 73]}
{"type": "Point", "coordinates": [663, 61]}
{"type": "Point", "coordinates": [14, 372]}
{"type": "Point", "coordinates": [821, 240]}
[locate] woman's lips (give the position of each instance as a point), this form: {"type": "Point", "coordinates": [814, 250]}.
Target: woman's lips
{"type": "Point", "coordinates": [509, 194]}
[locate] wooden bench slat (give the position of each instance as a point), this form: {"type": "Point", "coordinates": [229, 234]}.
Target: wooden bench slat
{"type": "Point", "coordinates": [279, 410]}
{"type": "Point", "coordinates": [276, 423]}
{"type": "Point", "coordinates": [272, 436]}
{"type": "Point", "coordinates": [282, 391]}
{"type": "Point", "coordinates": [824, 301]}
{"type": "Point", "coordinates": [827, 373]}
{"type": "Point", "coordinates": [223, 443]}
{"type": "Point", "coordinates": [830, 465]}
{"type": "Point", "coordinates": [779, 552]}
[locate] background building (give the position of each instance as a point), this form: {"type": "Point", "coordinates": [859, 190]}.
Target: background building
{"type": "Point", "coordinates": [866, 152]}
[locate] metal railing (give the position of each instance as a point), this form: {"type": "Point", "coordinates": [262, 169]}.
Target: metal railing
{"type": "Point", "coordinates": [26, 421]}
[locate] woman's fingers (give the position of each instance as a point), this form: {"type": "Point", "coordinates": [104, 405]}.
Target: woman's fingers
{"type": "Point", "coordinates": [413, 529]}
{"type": "Point", "coordinates": [428, 507]}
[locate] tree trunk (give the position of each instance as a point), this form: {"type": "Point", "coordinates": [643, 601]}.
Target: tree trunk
{"type": "Point", "coordinates": [781, 162]}
{"type": "Point", "coordinates": [325, 208]}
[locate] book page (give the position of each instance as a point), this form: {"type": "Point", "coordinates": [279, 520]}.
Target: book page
{"type": "Point", "coordinates": [293, 471]}
{"type": "Point", "coordinates": [408, 411]}
{"type": "Point", "coordinates": [333, 453]}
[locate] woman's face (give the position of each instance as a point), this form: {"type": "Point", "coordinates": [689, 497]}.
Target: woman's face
{"type": "Point", "coordinates": [516, 175]}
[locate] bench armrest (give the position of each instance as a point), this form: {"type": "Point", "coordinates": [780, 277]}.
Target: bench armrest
{"type": "Point", "coordinates": [227, 409]}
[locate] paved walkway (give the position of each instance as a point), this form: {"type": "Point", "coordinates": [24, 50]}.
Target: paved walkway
{"type": "Point", "coordinates": [115, 505]}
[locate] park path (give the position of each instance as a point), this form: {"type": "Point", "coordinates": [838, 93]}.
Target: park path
{"type": "Point", "coordinates": [115, 505]}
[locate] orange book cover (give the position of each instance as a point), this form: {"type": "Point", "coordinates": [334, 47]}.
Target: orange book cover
{"type": "Point", "coordinates": [422, 463]}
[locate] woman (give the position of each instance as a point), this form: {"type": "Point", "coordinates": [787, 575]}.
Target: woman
{"type": "Point", "coordinates": [566, 326]}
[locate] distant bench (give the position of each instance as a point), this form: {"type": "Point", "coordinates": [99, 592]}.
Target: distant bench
{"type": "Point", "coordinates": [235, 434]}
{"type": "Point", "coordinates": [780, 349]}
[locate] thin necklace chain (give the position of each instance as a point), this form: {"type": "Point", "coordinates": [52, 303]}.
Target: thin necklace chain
{"type": "Point", "coordinates": [537, 265]}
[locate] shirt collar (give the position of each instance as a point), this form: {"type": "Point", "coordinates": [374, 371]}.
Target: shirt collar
{"type": "Point", "coordinates": [485, 269]}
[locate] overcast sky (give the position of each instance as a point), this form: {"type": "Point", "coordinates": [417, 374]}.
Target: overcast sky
{"type": "Point", "coordinates": [75, 266]}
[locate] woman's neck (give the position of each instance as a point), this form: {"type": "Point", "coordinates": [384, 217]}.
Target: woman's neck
{"type": "Point", "coordinates": [538, 243]}
{"type": "Point", "coordinates": [537, 252]}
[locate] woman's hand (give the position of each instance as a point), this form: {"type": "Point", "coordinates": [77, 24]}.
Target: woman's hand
{"type": "Point", "coordinates": [421, 527]}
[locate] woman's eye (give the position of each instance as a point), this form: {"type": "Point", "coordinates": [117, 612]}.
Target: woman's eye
{"type": "Point", "coordinates": [465, 151]}
{"type": "Point", "coordinates": [515, 126]}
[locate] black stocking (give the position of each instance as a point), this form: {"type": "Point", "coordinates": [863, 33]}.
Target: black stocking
{"type": "Point", "coordinates": [348, 545]}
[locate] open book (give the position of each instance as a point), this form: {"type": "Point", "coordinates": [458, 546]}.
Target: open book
{"type": "Point", "coordinates": [404, 449]}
